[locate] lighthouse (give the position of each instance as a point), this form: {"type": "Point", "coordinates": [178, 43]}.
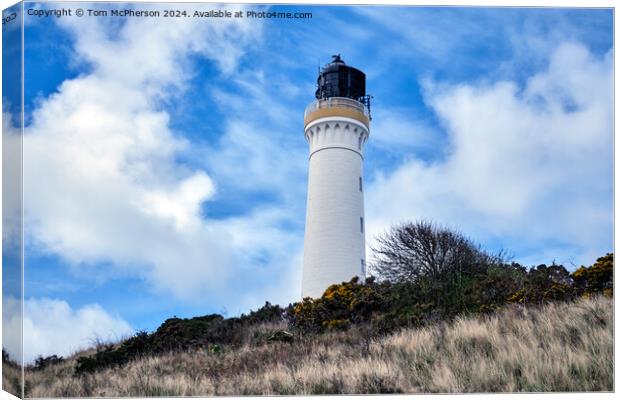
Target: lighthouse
{"type": "Point", "coordinates": [336, 127]}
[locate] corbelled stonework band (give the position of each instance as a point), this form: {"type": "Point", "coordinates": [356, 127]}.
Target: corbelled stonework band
{"type": "Point", "coordinates": [336, 112]}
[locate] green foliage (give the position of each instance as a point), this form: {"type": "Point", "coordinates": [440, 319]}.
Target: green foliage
{"type": "Point", "coordinates": [439, 273]}
{"type": "Point", "coordinates": [385, 306]}
{"type": "Point", "coordinates": [390, 305]}
{"type": "Point", "coordinates": [44, 362]}
{"type": "Point", "coordinates": [182, 334]}
{"type": "Point", "coordinates": [114, 356]}
{"type": "Point", "coordinates": [490, 289]}
{"type": "Point", "coordinates": [597, 278]}
{"type": "Point", "coordinates": [341, 305]}
{"type": "Point", "coordinates": [544, 283]}
{"type": "Point", "coordinates": [208, 332]}
{"type": "Point", "coordinates": [554, 283]}
{"type": "Point", "coordinates": [482, 288]}
{"type": "Point", "coordinates": [105, 358]}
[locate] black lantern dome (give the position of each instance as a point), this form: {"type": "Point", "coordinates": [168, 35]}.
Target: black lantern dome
{"type": "Point", "coordinates": [337, 79]}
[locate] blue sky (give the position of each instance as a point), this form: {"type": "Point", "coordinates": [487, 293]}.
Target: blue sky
{"type": "Point", "coordinates": [165, 166]}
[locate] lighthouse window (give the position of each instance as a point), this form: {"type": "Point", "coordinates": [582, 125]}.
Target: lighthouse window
{"type": "Point", "coordinates": [360, 183]}
{"type": "Point", "coordinates": [359, 143]}
{"type": "Point", "coordinates": [363, 268]}
{"type": "Point", "coordinates": [362, 224]}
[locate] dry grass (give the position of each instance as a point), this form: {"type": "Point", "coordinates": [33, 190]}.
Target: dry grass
{"type": "Point", "coordinates": [11, 379]}
{"type": "Point", "coordinates": [559, 347]}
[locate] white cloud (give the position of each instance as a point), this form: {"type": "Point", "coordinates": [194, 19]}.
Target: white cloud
{"type": "Point", "coordinates": [11, 181]}
{"type": "Point", "coordinates": [98, 169]}
{"type": "Point", "coordinates": [153, 51]}
{"type": "Point", "coordinates": [12, 327]}
{"type": "Point", "coordinates": [530, 166]}
{"type": "Point", "coordinates": [101, 177]}
{"type": "Point", "coordinates": [182, 204]}
{"type": "Point", "coordinates": [51, 326]}
{"type": "Point", "coordinates": [395, 130]}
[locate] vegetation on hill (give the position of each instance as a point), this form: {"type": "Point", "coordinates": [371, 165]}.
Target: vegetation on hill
{"type": "Point", "coordinates": [560, 346]}
{"type": "Point", "coordinates": [439, 304]}
{"type": "Point", "coordinates": [209, 332]}
{"type": "Point", "coordinates": [434, 274]}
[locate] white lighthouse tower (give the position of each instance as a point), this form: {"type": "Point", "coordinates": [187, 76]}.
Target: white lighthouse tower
{"type": "Point", "coordinates": [336, 127]}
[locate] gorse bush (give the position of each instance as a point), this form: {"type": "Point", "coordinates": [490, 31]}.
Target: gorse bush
{"type": "Point", "coordinates": [545, 283]}
{"type": "Point", "coordinates": [340, 306]}
{"type": "Point", "coordinates": [596, 279]}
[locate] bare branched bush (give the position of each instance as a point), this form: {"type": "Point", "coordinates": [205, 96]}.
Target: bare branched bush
{"type": "Point", "coordinates": [422, 249]}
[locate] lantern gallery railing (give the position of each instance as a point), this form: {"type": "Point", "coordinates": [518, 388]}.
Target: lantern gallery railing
{"type": "Point", "coordinates": [337, 102]}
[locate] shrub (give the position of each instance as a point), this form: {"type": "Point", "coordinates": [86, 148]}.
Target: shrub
{"type": "Point", "coordinates": [492, 288]}
{"type": "Point", "coordinates": [108, 357]}
{"type": "Point", "coordinates": [422, 249]}
{"type": "Point", "coordinates": [267, 313]}
{"type": "Point", "coordinates": [181, 333]}
{"type": "Point", "coordinates": [43, 362]}
{"type": "Point", "coordinates": [554, 283]}
{"type": "Point", "coordinates": [544, 283]}
{"type": "Point", "coordinates": [6, 359]}
{"type": "Point", "coordinates": [339, 306]}
{"type": "Point", "coordinates": [205, 332]}
{"type": "Point", "coordinates": [597, 278]}
{"type": "Point", "coordinates": [480, 288]}
{"type": "Point", "coordinates": [449, 273]}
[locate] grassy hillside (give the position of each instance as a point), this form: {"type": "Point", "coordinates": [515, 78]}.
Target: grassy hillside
{"type": "Point", "coordinates": [563, 346]}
